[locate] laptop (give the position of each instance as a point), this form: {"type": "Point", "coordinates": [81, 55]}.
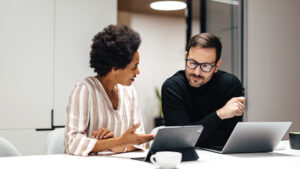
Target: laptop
{"type": "Point", "coordinates": [253, 137]}
{"type": "Point", "coordinates": [176, 138]}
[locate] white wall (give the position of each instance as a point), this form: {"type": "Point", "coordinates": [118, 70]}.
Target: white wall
{"type": "Point", "coordinates": [44, 51]}
{"type": "Point", "coordinates": [272, 52]}
{"type": "Point", "coordinates": [161, 55]}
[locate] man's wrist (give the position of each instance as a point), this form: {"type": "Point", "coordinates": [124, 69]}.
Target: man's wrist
{"type": "Point", "coordinates": [220, 114]}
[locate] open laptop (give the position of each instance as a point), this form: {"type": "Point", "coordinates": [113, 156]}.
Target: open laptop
{"type": "Point", "coordinates": [176, 138]}
{"type": "Point", "coordinates": [253, 137]}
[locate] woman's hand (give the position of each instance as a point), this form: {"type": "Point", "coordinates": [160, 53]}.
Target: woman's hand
{"type": "Point", "coordinates": [129, 137]}
{"type": "Point", "coordinates": [123, 149]}
{"type": "Point", "coordinates": [118, 149]}
{"type": "Point", "coordinates": [102, 133]}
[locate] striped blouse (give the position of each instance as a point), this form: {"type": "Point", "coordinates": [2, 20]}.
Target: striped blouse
{"type": "Point", "coordinates": [90, 108]}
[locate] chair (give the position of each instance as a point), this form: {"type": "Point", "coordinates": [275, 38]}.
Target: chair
{"type": "Point", "coordinates": [55, 142]}
{"type": "Point", "coordinates": [7, 149]}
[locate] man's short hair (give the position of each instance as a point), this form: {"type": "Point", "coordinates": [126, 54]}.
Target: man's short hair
{"type": "Point", "coordinates": [113, 47]}
{"type": "Point", "coordinates": [206, 40]}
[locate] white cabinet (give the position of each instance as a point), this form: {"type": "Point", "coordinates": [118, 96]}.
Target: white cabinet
{"type": "Point", "coordinates": [76, 23]}
{"type": "Point", "coordinates": [44, 51]}
{"type": "Point", "coordinates": [26, 63]}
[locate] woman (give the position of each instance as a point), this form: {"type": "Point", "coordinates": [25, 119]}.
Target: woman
{"type": "Point", "coordinates": [103, 111]}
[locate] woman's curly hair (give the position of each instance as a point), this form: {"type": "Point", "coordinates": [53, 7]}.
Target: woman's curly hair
{"type": "Point", "coordinates": [113, 47]}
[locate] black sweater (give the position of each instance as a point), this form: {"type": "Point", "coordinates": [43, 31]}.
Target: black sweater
{"type": "Point", "coordinates": [186, 105]}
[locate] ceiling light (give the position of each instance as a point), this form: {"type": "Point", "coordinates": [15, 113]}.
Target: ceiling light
{"type": "Point", "coordinates": [168, 5]}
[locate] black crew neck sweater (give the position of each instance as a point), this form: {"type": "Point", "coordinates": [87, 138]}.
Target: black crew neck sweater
{"type": "Point", "coordinates": [186, 105]}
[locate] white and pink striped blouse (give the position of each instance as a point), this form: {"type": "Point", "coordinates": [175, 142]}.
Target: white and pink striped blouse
{"type": "Point", "coordinates": [90, 108]}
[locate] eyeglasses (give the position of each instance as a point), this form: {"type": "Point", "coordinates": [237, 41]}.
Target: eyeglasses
{"type": "Point", "coordinates": [205, 67]}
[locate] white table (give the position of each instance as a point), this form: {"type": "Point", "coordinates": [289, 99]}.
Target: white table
{"type": "Point", "coordinates": [283, 157]}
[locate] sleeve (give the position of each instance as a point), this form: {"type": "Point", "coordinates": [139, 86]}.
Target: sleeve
{"type": "Point", "coordinates": [137, 118]}
{"type": "Point", "coordinates": [76, 140]}
{"type": "Point", "coordinates": [222, 132]}
{"type": "Point", "coordinates": [176, 113]}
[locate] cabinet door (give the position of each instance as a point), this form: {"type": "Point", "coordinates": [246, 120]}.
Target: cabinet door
{"type": "Point", "coordinates": [76, 22]}
{"type": "Point", "coordinates": [26, 63]}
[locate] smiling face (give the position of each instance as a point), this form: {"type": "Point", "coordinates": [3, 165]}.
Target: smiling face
{"type": "Point", "coordinates": [126, 76]}
{"type": "Point", "coordinates": [196, 77]}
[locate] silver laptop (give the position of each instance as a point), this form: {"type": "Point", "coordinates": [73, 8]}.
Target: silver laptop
{"type": "Point", "coordinates": [176, 138]}
{"type": "Point", "coordinates": [253, 137]}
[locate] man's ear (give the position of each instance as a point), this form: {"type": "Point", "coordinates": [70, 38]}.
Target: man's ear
{"type": "Point", "coordinates": [185, 55]}
{"type": "Point", "coordinates": [218, 65]}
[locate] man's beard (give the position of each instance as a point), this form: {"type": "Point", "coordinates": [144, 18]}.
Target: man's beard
{"type": "Point", "coordinates": [196, 84]}
{"type": "Point", "coordinates": [193, 75]}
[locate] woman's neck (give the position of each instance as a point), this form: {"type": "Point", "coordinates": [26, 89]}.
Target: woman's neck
{"type": "Point", "coordinates": [107, 83]}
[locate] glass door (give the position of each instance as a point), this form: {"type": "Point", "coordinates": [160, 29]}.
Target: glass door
{"type": "Point", "coordinates": [222, 18]}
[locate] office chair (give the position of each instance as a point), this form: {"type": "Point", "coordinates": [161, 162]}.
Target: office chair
{"type": "Point", "coordinates": [7, 149]}
{"type": "Point", "coordinates": [55, 142]}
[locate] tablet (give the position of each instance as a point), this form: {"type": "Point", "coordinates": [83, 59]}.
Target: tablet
{"type": "Point", "coordinates": [176, 138]}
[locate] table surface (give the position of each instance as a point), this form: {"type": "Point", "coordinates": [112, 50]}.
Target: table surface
{"type": "Point", "coordinates": [282, 157]}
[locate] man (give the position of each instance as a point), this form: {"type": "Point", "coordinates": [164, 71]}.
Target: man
{"type": "Point", "coordinates": [202, 94]}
